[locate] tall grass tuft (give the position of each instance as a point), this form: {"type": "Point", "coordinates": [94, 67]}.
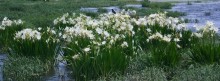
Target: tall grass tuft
{"type": "Point", "coordinates": [165, 55]}
{"type": "Point", "coordinates": [206, 50]}
{"type": "Point", "coordinates": [7, 30]}
{"type": "Point", "coordinates": [105, 44]}
{"type": "Point", "coordinates": [33, 43]}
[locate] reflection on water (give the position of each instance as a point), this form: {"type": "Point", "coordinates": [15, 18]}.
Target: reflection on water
{"type": "Point", "coordinates": [60, 73]}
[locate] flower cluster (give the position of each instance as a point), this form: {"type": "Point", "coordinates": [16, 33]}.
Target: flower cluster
{"type": "Point", "coordinates": [71, 20]}
{"type": "Point", "coordinates": [208, 28]}
{"type": "Point", "coordinates": [7, 23]}
{"type": "Point", "coordinates": [51, 35]}
{"type": "Point", "coordinates": [128, 12]}
{"type": "Point", "coordinates": [28, 34]}
{"type": "Point", "coordinates": [71, 32]}
{"type": "Point", "coordinates": [162, 20]}
{"type": "Point", "coordinates": [105, 29]}
{"type": "Point", "coordinates": [166, 38]}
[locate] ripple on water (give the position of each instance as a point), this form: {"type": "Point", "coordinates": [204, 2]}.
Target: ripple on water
{"type": "Point", "coordinates": [206, 11]}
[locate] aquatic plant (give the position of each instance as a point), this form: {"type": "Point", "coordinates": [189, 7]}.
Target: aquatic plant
{"type": "Point", "coordinates": [206, 50]}
{"type": "Point", "coordinates": [8, 29]}
{"type": "Point", "coordinates": [104, 44]}
{"type": "Point", "coordinates": [33, 43]}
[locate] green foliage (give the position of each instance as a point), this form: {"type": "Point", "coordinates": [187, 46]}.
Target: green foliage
{"type": "Point", "coordinates": [102, 10]}
{"type": "Point", "coordinates": [44, 48]}
{"type": "Point", "coordinates": [163, 56]}
{"type": "Point", "coordinates": [19, 68]}
{"type": "Point", "coordinates": [186, 40]}
{"type": "Point", "coordinates": [175, 14]}
{"type": "Point", "coordinates": [7, 32]}
{"type": "Point", "coordinates": [6, 36]}
{"type": "Point", "coordinates": [148, 74]}
{"type": "Point", "coordinates": [203, 73]}
{"type": "Point", "coordinates": [103, 63]}
{"type": "Point", "coordinates": [145, 3]}
{"type": "Point", "coordinates": [102, 60]}
{"type": "Point", "coordinates": [157, 5]}
{"type": "Point", "coordinates": [165, 5]}
{"type": "Point", "coordinates": [206, 51]}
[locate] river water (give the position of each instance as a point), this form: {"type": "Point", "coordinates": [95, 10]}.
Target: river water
{"type": "Point", "coordinates": [201, 12]}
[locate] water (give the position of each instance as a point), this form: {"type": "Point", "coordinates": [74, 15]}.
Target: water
{"type": "Point", "coordinates": [134, 5]}
{"type": "Point", "coordinates": [109, 9]}
{"type": "Point", "coordinates": [2, 58]}
{"type": "Point", "coordinates": [206, 11]}
{"type": "Point", "coordinates": [60, 73]}
{"type": "Point", "coordinates": [94, 10]}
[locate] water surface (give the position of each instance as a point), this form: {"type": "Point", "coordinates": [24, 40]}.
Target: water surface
{"type": "Point", "coordinates": [205, 11]}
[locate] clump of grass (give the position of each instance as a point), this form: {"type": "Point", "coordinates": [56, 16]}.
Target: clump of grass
{"type": "Point", "coordinates": [101, 10]}
{"type": "Point", "coordinates": [162, 56]}
{"type": "Point", "coordinates": [40, 43]}
{"type": "Point", "coordinates": [19, 68]}
{"type": "Point", "coordinates": [8, 28]}
{"type": "Point", "coordinates": [207, 13]}
{"type": "Point", "coordinates": [91, 46]}
{"type": "Point", "coordinates": [175, 14]}
{"type": "Point", "coordinates": [189, 3]}
{"type": "Point", "coordinates": [157, 5]}
{"type": "Point", "coordinates": [148, 74]}
{"type": "Point", "coordinates": [203, 73]}
{"type": "Point", "coordinates": [161, 5]}
{"type": "Point", "coordinates": [145, 3]}
{"type": "Point", "coordinates": [206, 50]}
{"type": "Point", "coordinates": [205, 53]}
